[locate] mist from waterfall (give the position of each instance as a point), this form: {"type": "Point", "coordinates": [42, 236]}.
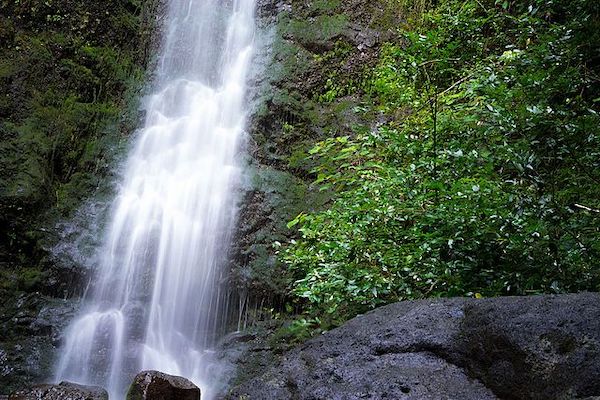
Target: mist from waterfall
{"type": "Point", "coordinates": [154, 303]}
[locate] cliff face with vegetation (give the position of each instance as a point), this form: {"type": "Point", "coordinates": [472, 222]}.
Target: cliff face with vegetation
{"type": "Point", "coordinates": [316, 56]}
{"type": "Point", "coordinates": [423, 149]}
{"type": "Point", "coordinates": [397, 150]}
{"type": "Point", "coordinates": [71, 74]}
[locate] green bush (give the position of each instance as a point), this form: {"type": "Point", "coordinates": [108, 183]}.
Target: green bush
{"type": "Point", "coordinates": [485, 178]}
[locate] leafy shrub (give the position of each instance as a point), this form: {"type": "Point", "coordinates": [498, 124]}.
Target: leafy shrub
{"type": "Point", "coordinates": [484, 179]}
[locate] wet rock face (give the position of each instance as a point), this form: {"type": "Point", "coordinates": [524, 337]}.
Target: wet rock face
{"type": "Point", "coordinates": [543, 347]}
{"type": "Point", "coordinates": [154, 385]}
{"type": "Point", "coordinates": [62, 391]}
{"type": "Point", "coordinates": [31, 327]}
{"type": "Point", "coordinates": [301, 46]}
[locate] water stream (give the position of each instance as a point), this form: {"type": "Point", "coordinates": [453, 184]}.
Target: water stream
{"type": "Point", "coordinates": [154, 301]}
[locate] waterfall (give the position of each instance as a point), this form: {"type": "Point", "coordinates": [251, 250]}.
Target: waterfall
{"type": "Point", "coordinates": [154, 303]}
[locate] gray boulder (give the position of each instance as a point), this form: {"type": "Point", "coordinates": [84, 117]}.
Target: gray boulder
{"type": "Point", "coordinates": [154, 385]}
{"type": "Point", "coordinates": [62, 391]}
{"type": "Point", "coordinates": [540, 347]}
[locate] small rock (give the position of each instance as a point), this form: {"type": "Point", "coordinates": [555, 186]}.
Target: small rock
{"type": "Point", "coordinates": [154, 385]}
{"type": "Point", "coordinates": [62, 391]}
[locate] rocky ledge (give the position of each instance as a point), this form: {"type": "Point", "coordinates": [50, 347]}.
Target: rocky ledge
{"type": "Point", "coordinates": [62, 391]}
{"type": "Point", "coordinates": [540, 347]}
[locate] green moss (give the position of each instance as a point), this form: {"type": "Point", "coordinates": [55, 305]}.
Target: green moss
{"type": "Point", "coordinates": [290, 58]}
{"type": "Point", "coordinates": [7, 68]}
{"type": "Point", "coordinates": [325, 6]}
{"type": "Point", "coordinates": [84, 74]}
{"type": "Point", "coordinates": [69, 85]}
{"type": "Point", "coordinates": [134, 393]}
{"type": "Point", "coordinates": [284, 196]}
{"type": "Point", "coordinates": [71, 73]}
{"type": "Point", "coordinates": [295, 332]}
{"type": "Point", "coordinates": [319, 30]}
{"type": "Point", "coordinates": [29, 278]}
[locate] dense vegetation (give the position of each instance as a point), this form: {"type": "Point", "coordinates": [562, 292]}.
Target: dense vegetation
{"type": "Point", "coordinates": [70, 76]}
{"type": "Point", "coordinates": [482, 175]}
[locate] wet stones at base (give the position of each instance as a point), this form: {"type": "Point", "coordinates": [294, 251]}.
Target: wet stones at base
{"type": "Point", "coordinates": [537, 347]}
{"type": "Point", "coordinates": [154, 385]}
{"type": "Point", "coordinates": [62, 391]}
{"type": "Point", "coordinates": [147, 385]}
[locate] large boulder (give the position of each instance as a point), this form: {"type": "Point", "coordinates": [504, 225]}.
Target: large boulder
{"type": "Point", "coordinates": [154, 385]}
{"type": "Point", "coordinates": [62, 391]}
{"type": "Point", "coordinates": [541, 347]}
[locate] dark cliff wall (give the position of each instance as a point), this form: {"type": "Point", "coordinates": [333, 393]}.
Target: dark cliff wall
{"type": "Point", "coordinates": [71, 76]}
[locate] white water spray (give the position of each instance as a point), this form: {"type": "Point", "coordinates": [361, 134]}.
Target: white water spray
{"type": "Point", "coordinates": [153, 304]}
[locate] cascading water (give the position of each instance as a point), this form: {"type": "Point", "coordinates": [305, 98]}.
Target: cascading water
{"type": "Point", "coordinates": [153, 304]}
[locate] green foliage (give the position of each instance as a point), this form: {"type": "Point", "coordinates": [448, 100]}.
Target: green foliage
{"type": "Point", "coordinates": [337, 84]}
{"type": "Point", "coordinates": [70, 77]}
{"type": "Point", "coordinates": [484, 179]}
{"type": "Point", "coordinates": [296, 331]}
{"type": "Point", "coordinates": [410, 10]}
